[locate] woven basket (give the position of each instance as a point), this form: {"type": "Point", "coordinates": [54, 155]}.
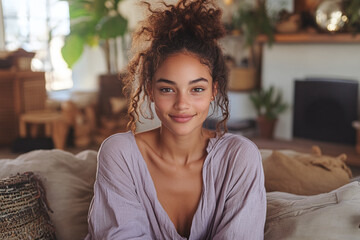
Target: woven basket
{"type": "Point", "coordinates": [23, 209]}
{"type": "Point", "coordinates": [242, 79]}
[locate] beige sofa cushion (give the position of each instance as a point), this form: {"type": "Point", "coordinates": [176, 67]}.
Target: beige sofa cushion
{"type": "Point", "coordinates": [68, 180]}
{"type": "Point", "coordinates": [304, 174]}
{"type": "Point", "coordinates": [327, 216]}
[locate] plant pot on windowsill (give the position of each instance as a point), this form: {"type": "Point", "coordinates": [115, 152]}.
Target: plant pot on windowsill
{"type": "Point", "coordinates": [266, 127]}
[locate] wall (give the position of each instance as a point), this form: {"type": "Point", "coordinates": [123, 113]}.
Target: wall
{"type": "Point", "coordinates": [86, 70]}
{"type": "Point", "coordinates": [283, 63]}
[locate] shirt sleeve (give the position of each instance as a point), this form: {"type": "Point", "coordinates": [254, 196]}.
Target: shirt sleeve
{"type": "Point", "coordinates": [115, 211]}
{"type": "Point", "coordinates": [244, 210]}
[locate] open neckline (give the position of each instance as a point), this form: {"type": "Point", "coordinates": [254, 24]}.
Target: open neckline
{"type": "Point", "coordinates": [169, 223]}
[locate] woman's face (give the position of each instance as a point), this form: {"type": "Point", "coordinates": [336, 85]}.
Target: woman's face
{"type": "Point", "coordinates": [182, 91]}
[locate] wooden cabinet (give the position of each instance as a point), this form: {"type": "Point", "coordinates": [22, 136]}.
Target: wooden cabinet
{"type": "Point", "coordinates": [19, 92]}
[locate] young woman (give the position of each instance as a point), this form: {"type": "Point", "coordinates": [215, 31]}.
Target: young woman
{"type": "Point", "coordinates": [179, 181]}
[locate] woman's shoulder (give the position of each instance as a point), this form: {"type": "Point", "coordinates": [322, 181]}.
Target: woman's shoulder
{"type": "Point", "coordinates": [236, 142]}
{"type": "Point", "coordinates": [237, 150]}
{"type": "Point", "coordinates": [123, 137]}
{"type": "Point", "coordinates": [118, 142]}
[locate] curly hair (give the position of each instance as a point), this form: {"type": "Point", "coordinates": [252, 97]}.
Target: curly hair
{"type": "Point", "coordinates": [189, 26]}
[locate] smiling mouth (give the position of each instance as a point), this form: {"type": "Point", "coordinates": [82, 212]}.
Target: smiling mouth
{"type": "Point", "coordinates": [181, 118]}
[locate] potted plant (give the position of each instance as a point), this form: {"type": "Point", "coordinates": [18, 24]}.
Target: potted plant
{"type": "Point", "coordinates": [94, 23]}
{"type": "Point", "coordinates": [268, 105]}
{"type": "Point", "coordinates": [252, 21]}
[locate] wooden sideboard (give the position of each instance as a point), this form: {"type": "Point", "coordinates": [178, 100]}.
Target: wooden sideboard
{"type": "Point", "coordinates": [20, 92]}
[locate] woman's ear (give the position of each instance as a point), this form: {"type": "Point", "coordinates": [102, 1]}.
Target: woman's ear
{"type": "Point", "coordinates": [214, 90]}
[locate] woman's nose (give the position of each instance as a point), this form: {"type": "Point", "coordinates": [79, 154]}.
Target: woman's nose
{"type": "Point", "coordinates": [182, 101]}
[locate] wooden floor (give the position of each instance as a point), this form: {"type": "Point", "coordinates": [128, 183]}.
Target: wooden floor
{"type": "Point", "coordinates": [302, 145]}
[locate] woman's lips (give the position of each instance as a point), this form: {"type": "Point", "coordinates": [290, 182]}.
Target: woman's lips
{"type": "Point", "coordinates": [181, 118]}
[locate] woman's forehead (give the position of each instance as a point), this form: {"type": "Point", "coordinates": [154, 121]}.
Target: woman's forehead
{"type": "Point", "coordinates": [184, 66]}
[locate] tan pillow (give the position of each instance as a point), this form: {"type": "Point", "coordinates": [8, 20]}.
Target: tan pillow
{"type": "Point", "coordinates": [305, 174]}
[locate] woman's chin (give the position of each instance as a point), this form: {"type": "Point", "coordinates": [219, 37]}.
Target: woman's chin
{"type": "Point", "coordinates": [179, 130]}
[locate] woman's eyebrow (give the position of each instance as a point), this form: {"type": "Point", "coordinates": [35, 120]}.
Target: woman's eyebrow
{"type": "Point", "coordinates": [199, 80]}
{"type": "Point", "coordinates": [162, 80]}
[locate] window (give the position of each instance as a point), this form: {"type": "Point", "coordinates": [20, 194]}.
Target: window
{"type": "Point", "coordinates": [40, 26]}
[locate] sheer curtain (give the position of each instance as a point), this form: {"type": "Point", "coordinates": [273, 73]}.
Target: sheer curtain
{"type": "Point", "coordinates": [39, 26]}
{"type": "Point", "coordinates": [2, 31]}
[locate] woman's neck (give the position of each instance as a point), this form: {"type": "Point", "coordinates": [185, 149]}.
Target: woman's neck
{"type": "Point", "coordinates": [183, 150]}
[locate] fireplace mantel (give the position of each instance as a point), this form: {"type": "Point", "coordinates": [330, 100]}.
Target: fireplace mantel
{"type": "Point", "coordinates": [312, 38]}
{"type": "Point", "coordinates": [298, 38]}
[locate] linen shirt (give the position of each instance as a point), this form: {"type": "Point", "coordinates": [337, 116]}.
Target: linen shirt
{"type": "Point", "coordinates": [232, 203]}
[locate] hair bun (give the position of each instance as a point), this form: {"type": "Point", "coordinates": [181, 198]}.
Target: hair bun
{"type": "Point", "coordinates": [194, 19]}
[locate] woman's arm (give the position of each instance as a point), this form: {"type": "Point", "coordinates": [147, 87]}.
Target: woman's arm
{"type": "Point", "coordinates": [115, 211]}
{"type": "Point", "coordinates": [244, 210]}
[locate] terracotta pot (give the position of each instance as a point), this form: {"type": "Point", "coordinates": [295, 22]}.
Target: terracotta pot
{"type": "Point", "coordinates": [266, 127]}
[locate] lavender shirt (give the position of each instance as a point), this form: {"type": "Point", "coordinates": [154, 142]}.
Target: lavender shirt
{"type": "Point", "coordinates": [232, 204]}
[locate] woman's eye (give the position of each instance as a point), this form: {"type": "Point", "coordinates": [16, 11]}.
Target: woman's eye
{"type": "Point", "coordinates": [198, 89]}
{"type": "Point", "coordinates": [166, 90]}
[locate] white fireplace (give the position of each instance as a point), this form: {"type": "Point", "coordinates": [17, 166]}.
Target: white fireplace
{"type": "Point", "coordinates": [283, 63]}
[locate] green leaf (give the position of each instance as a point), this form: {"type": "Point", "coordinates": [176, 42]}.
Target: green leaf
{"type": "Point", "coordinates": [268, 102]}
{"type": "Point", "coordinates": [90, 23]}
{"type": "Point", "coordinates": [254, 98]}
{"type": "Point", "coordinates": [82, 26]}
{"type": "Point", "coordinates": [78, 11]}
{"type": "Point", "coordinates": [99, 9]}
{"type": "Point", "coordinates": [72, 49]}
{"type": "Point", "coordinates": [112, 27]}
{"type": "Point", "coordinates": [79, 8]}
{"type": "Point", "coordinates": [92, 41]}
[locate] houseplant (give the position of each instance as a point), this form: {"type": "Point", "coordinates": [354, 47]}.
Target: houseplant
{"type": "Point", "coordinates": [253, 21]}
{"type": "Point", "coordinates": [94, 23]}
{"type": "Point", "coordinates": [268, 104]}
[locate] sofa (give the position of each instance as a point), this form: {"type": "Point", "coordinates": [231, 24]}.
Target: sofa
{"type": "Point", "coordinates": [66, 182]}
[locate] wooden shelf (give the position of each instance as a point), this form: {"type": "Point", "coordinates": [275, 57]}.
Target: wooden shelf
{"type": "Point", "coordinates": [313, 38]}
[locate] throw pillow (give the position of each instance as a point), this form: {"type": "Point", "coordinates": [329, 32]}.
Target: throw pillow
{"type": "Point", "coordinates": [23, 209]}
{"type": "Point", "coordinates": [327, 216]}
{"type": "Point", "coordinates": [305, 174]}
